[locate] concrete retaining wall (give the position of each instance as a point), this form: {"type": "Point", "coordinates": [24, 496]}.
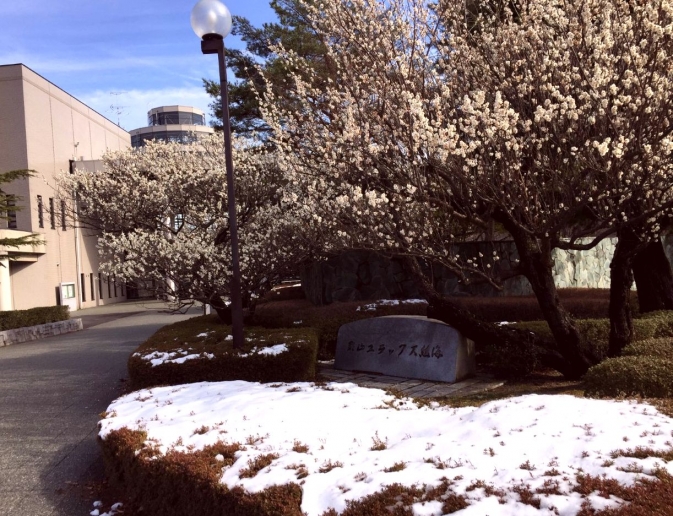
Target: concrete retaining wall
{"type": "Point", "coordinates": [39, 331]}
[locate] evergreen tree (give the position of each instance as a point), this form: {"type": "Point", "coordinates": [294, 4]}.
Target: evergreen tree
{"type": "Point", "coordinates": [293, 32]}
{"type": "Point", "coordinates": [8, 204]}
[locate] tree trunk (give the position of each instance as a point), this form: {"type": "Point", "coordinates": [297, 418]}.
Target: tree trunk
{"type": "Point", "coordinates": [536, 264]}
{"type": "Point", "coordinates": [445, 310]}
{"type": "Point", "coordinates": [654, 279]}
{"type": "Point", "coordinates": [223, 312]}
{"type": "Point", "coordinates": [537, 268]}
{"type": "Point", "coordinates": [621, 280]}
{"type": "Point", "coordinates": [479, 331]}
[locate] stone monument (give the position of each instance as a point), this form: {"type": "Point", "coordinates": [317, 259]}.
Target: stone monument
{"type": "Point", "coordinates": [409, 346]}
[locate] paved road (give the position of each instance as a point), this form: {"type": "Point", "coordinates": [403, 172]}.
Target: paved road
{"type": "Point", "coordinates": [51, 394]}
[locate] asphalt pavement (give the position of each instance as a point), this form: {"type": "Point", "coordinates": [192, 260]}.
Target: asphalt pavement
{"type": "Point", "coordinates": [52, 392]}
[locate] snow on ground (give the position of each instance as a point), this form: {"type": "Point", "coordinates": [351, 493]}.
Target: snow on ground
{"type": "Point", "coordinates": [115, 509]}
{"type": "Point", "coordinates": [179, 356]}
{"type": "Point", "coordinates": [270, 350]}
{"type": "Point", "coordinates": [363, 431]}
{"type": "Point", "coordinates": [389, 302]}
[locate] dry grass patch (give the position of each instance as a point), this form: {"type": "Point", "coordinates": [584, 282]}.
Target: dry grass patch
{"type": "Point", "coordinates": [396, 500]}
{"type": "Point", "coordinates": [180, 483]}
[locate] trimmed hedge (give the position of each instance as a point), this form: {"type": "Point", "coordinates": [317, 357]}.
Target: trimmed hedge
{"type": "Point", "coordinates": [646, 376]}
{"type": "Point", "coordinates": [507, 360]}
{"type": "Point", "coordinates": [295, 365]}
{"type": "Point", "coordinates": [13, 319]}
{"type": "Point", "coordinates": [177, 483]}
{"type": "Point", "coordinates": [596, 332]}
{"type": "Point", "coordinates": [645, 367]}
{"type": "Point", "coordinates": [661, 347]}
{"type": "Point", "coordinates": [326, 320]}
{"type": "Point", "coordinates": [580, 303]}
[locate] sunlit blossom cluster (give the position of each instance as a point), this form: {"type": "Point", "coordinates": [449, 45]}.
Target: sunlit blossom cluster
{"type": "Point", "coordinates": [550, 124]}
{"type": "Point", "coordinates": [161, 216]}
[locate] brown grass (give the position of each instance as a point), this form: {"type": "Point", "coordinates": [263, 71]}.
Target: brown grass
{"type": "Point", "coordinates": [646, 497]}
{"type": "Point", "coordinates": [180, 483]}
{"type": "Point", "coordinates": [396, 500]}
{"type": "Point", "coordinates": [258, 464]}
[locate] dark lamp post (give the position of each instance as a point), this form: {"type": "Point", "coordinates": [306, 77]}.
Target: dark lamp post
{"type": "Point", "coordinates": [211, 21]}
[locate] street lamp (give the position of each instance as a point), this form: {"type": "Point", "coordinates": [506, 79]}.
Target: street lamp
{"type": "Point", "coordinates": [211, 21]}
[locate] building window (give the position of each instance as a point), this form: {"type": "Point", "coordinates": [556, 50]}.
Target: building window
{"type": "Point", "coordinates": [40, 212]}
{"type": "Point", "coordinates": [63, 219]}
{"type": "Point", "coordinates": [114, 284]}
{"type": "Point", "coordinates": [109, 294]}
{"type": "Point", "coordinates": [68, 291]}
{"type": "Point", "coordinates": [122, 287]}
{"type": "Point", "coordinates": [100, 286]}
{"type": "Point", "coordinates": [81, 278]}
{"type": "Point", "coordinates": [11, 214]}
{"type": "Point", "coordinates": [93, 292]}
{"type": "Point", "coordinates": [52, 213]}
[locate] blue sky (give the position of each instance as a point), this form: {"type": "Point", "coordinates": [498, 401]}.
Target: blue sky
{"type": "Point", "coordinates": [134, 55]}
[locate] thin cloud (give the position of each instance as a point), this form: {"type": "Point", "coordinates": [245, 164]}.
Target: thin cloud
{"type": "Point", "coordinates": [51, 65]}
{"type": "Point", "coordinates": [130, 107]}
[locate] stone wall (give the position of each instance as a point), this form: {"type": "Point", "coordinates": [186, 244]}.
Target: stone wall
{"type": "Point", "coordinates": [364, 275]}
{"type": "Point", "coordinates": [39, 331]}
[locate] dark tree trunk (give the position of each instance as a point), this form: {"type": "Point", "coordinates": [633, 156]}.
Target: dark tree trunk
{"type": "Point", "coordinates": [223, 312]}
{"type": "Point", "coordinates": [445, 310]}
{"type": "Point", "coordinates": [536, 265]}
{"type": "Point", "coordinates": [621, 280]}
{"type": "Point", "coordinates": [479, 331]}
{"type": "Point", "coordinates": [654, 279]}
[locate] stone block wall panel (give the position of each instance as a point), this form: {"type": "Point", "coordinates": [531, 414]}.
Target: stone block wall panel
{"type": "Point", "coordinates": [365, 275]}
{"type": "Point", "coordinates": [39, 331]}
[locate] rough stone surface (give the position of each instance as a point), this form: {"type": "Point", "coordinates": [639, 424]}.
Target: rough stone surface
{"type": "Point", "coordinates": [39, 331]}
{"type": "Point", "coordinates": [406, 346]}
{"type": "Point", "coordinates": [364, 275]}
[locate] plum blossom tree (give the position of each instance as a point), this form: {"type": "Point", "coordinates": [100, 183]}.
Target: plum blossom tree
{"type": "Point", "coordinates": [161, 214]}
{"type": "Point", "coordinates": [551, 119]}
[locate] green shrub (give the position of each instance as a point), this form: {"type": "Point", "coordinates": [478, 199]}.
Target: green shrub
{"type": "Point", "coordinates": [654, 324]}
{"type": "Point", "coordinates": [631, 375]}
{"type": "Point", "coordinates": [509, 359]}
{"type": "Point", "coordinates": [12, 319]}
{"type": "Point", "coordinates": [661, 347]}
{"type": "Point", "coordinates": [180, 483]}
{"type": "Point", "coordinates": [581, 303]}
{"type": "Point", "coordinates": [595, 333]}
{"type": "Point", "coordinates": [218, 361]}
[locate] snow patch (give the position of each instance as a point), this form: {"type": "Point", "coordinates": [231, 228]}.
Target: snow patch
{"type": "Point", "coordinates": [389, 302]}
{"type": "Point", "coordinates": [271, 350]}
{"type": "Point", "coordinates": [179, 356]}
{"type": "Point", "coordinates": [504, 443]}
